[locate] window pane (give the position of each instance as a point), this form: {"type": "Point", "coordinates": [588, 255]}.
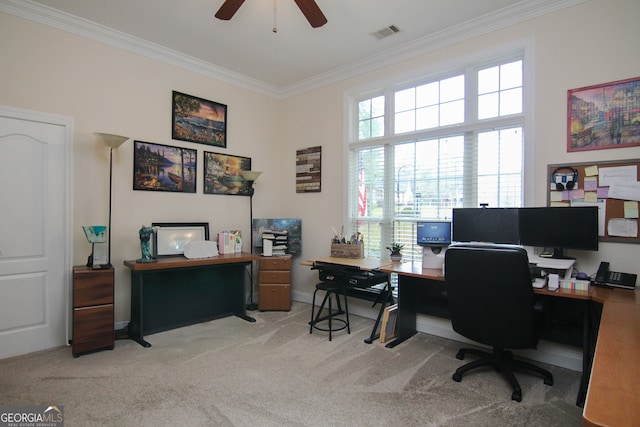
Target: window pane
{"type": "Point", "coordinates": [377, 106]}
{"type": "Point", "coordinates": [364, 109]}
{"type": "Point", "coordinates": [452, 89]}
{"type": "Point", "coordinates": [511, 75]}
{"type": "Point", "coordinates": [487, 193]}
{"type": "Point", "coordinates": [452, 113]}
{"type": "Point", "coordinates": [500, 167]}
{"type": "Point", "coordinates": [427, 117]}
{"type": "Point", "coordinates": [405, 100]}
{"type": "Point", "coordinates": [364, 129]}
{"type": "Point", "coordinates": [377, 127]}
{"type": "Point", "coordinates": [428, 94]}
{"type": "Point", "coordinates": [371, 118]}
{"type": "Point", "coordinates": [489, 80]}
{"type": "Point", "coordinates": [487, 106]}
{"type": "Point", "coordinates": [511, 150]}
{"type": "Point", "coordinates": [511, 102]}
{"type": "Point", "coordinates": [405, 122]}
{"type": "Point", "coordinates": [500, 90]}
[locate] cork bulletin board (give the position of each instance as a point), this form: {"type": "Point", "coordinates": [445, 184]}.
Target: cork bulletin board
{"type": "Point", "coordinates": [612, 186]}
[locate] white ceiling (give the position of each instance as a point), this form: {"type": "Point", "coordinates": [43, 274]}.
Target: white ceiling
{"type": "Point", "coordinates": [246, 51]}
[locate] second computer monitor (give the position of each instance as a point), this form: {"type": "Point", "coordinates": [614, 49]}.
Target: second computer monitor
{"type": "Point", "coordinates": [434, 233]}
{"type": "Point", "coordinates": [490, 225]}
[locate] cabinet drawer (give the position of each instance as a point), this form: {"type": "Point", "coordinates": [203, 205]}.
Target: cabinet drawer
{"type": "Point", "coordinates": [275, 263]}
{"type": "Point", "coordinates": [92, 287]}
{"type": "Point", "coordinates": [93, 328]}
{"type": "Point", "coordinates": [272, 276]}
{"type": "Point", "coordinates": [274, 297]}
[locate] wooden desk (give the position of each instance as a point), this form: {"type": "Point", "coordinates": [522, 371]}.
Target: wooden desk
{"type": "Point", "coordinates": [612, 397]}
{"type": "Point", "coordinates": [366, 264]}
{"type": "Point", "coordinates": [176, 291]}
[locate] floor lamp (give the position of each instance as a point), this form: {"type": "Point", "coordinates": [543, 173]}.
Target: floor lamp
{"type": "Point", "coordinates": [112, 141]}
{"type": "Point", "coordinates": [250, 177]}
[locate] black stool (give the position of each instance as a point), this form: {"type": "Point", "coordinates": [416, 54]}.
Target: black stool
{"type": "Point", "coordinates": [331, 289]}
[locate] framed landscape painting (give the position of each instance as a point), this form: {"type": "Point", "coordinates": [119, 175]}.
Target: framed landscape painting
{"type": "Point", "coordinates": [198, 120]}
{"type": "Point", "coordinates": [604, 116]}
{"type": "Point", "coordinates": [159, 167]}
{"type": "Point", "coordinates": [222, 174]}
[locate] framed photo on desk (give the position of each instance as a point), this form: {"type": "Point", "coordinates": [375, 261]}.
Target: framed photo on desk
{"type": "Point", "coordinates": [171, 237]}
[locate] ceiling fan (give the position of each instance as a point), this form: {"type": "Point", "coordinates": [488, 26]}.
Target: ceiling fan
{"type": "Point", "coordinates": [309, 9]}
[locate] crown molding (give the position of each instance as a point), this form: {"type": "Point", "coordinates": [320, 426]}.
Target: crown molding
{"type": "Point", "coordinates": [63, 21]}
{"type": "Point", "coordinates": [520, 12]}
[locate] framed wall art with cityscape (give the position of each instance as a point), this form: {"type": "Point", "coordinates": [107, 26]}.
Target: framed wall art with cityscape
{"type": "Point", "coordinates": [604, 116]}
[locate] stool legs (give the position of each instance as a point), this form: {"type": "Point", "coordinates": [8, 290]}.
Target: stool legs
{"type": "Point", "coordinates": [327, 301]}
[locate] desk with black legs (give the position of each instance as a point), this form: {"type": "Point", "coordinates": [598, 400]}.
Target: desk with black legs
{"type": "Point", "coordinates": [362, 278]}
{"type": "Point", "coordinates": [611, 343]}
{"type": "Point", "coordinates": [176, 291]}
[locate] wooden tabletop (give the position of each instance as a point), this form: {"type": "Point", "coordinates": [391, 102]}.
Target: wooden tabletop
{"type": "Point", "coordinates": [612, 396]}
{"type": "Point", "coordinates": [362, 263]}
{"type": "Point", "coordinates": [414, 268]}
{"type": "Point", "coordinates": [181, 261]}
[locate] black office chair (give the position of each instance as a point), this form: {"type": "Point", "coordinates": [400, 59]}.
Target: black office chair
{"type": "Point", "coordinates": [491, 301]}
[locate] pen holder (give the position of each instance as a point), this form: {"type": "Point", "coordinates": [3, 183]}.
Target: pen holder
{"type": "Point", "coordinates": [347, 251]}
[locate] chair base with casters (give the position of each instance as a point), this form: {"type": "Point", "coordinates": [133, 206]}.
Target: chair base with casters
{"type": "Point", "coordinates": [503, 362]}
{"type": "Point", "coordinates": [330, 322]}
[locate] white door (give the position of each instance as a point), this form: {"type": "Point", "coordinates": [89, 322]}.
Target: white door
{"type": "Point", "coordinates": [34, 231]}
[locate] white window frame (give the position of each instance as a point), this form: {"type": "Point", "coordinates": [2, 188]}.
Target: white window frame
{"type": "Point", "coordinates": [520, 49]}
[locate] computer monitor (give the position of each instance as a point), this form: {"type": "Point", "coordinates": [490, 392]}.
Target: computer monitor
{"type": "Point", "coordinates": [434, 233]}
{"type": "Point", "coordinates": [487, 225]}
{"type": "Point", "coordinates": [560, 228]}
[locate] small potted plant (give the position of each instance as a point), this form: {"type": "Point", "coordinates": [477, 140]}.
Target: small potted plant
{"type": "Point", "coordinates": [396, 252]}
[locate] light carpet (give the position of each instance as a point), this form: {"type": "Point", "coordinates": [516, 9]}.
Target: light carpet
{"type": "Point", "coordinates": [229, 372]}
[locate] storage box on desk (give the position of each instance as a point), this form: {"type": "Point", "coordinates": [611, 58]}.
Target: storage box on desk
{"type": "Point", "coordinates": [341, 250]}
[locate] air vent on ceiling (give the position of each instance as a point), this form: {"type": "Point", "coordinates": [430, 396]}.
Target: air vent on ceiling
{"type": "Point", "coordinates": [386, 32]}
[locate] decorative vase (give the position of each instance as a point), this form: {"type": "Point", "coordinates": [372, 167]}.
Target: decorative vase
{"type": "Point", "coordinates": [395, 257]}
{"type": "Point", "coordinates": [145, 244]}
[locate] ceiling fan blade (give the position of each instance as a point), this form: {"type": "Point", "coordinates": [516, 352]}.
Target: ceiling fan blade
{"type": "Point", "coordinates": [312, 12]}
{"type": "Point", "coordinates": [228, 9]}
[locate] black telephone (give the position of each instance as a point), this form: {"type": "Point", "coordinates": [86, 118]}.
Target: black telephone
{"type": "Point", "coordinates": [604, 277]}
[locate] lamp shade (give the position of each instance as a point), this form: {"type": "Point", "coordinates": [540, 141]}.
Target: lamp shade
{"type": "Point", "coordinates": [250, 176]}
{"type": "Point", "coordinates": [111, 140]}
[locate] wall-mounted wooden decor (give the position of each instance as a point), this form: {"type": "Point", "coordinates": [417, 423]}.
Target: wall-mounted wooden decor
{"type": "Point", "coordinates": [308, 170]}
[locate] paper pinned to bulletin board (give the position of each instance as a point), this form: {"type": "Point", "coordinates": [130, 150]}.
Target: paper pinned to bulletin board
{"type": "Point", "coordinates": [612, 186]}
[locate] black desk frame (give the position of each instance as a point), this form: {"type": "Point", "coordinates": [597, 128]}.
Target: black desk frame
{"type": "Point", "coordinates": [409, 288]}
{"type": "Point", "coordinates": [170, 298]}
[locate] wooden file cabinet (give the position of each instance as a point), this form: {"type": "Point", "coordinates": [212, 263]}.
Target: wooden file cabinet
{"type": "Point", "coordinates": [93, 317]}
{"type": "Point", "coordinates": [274, 283]}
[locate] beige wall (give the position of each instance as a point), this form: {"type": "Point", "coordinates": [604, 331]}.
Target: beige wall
{"type": "Point", "coordinates": [110, 90]}
{"type": "Point", "coordinates": [107, 89]}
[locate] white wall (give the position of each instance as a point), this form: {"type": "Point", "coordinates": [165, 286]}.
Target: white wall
{"type": "Point", "coordinates": [107, 89]}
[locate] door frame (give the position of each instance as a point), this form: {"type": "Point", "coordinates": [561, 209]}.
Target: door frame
{"type": "Point", "coordinates": [67, 123]}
